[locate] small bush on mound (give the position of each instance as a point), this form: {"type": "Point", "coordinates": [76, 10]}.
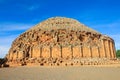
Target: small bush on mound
{"type": "Point", "coordinates": [118, 54]}
{"type": "Point", "coordinates": [5, 65]}
{"type": "Point", "coordinates": [3, 62]}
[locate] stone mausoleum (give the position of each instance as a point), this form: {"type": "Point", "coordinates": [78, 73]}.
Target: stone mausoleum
{"type": "Point", "coordinates": [61, 41]}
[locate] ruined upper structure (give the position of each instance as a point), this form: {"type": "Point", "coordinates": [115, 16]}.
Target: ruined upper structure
{"type": "Point", "coordinates": [60, 40]}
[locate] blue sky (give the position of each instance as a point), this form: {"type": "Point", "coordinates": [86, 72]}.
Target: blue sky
{"type": "Point", "coordinates": [16, 16]}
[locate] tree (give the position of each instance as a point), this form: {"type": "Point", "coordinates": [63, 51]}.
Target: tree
{"type": "Point", "coordinates": [118, 53]}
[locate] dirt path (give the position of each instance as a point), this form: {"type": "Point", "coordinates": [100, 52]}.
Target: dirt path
{"type": "Point", "coordinates": [60, 73]}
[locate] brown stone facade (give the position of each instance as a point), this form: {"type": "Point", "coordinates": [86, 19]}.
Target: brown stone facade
{"type": "Point", "coordinates": [58, 46]}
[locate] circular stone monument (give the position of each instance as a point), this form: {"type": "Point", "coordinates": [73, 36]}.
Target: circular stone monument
{"type": "Point", "coordinates": [60, 41]}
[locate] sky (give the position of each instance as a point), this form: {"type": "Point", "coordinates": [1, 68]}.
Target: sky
{"type": "Point", "coordinates": [17, 16]}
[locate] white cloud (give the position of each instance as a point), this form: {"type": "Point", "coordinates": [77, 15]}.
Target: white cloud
{"type": "Point", "coordinates": [33, 7]}
{"type": "Point", "coordinates": [14, 26]}
{"type": "Point", "coordinates": [5, 43]}
{"type": "Point", "coordinates": [108, 25]}
{"type": "Point", "coordinates": [6, 40]}
{"type": "Point", "coordinates": [3, 51]}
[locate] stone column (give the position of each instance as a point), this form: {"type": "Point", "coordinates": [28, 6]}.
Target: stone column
{"type": "Point", "coordinates": [61, 51]}
{"type": "Point", "coordinates": [110, 49]}
{"type": "Point", "coordinates": [114, 50]}
{"type": "Point", "coordinates": [72, 50]}
{"type": "Point", "coordinates": [91, 52]}
{"type": "Point", "coordinates": [20, 54]}
{"type": "Point", "coordinates": [67, 54]}
{"type": "Point", "coordinates": [81, 49]}
{"type": "Point", "coordinates": [46, 52]}
{"type": "Point", "coordinates": [103, 48]}
{"type": "Point", "coordinates": [56, 52]}
{"type": "Point", "coordinates": [41, 52]}
{"type": "Point", "coordinates": [30, 52]}
{"type": "Point", "coordinates": [76, 52]}
{"type": "Point", "coordinates": [99, 52]}
{"type": "Point", "coordinates": [36, 52]}
{"type": "Point", "coordinates": [107, 49]}
{"type": "Point", "coordinates": [95, 51]}
{"type": "Point", "coordinates": [86, 51]}
{"type": "Point", "coordinates": [51, 52]}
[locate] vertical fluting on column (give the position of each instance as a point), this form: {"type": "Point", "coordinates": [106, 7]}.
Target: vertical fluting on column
{"type": "Point", "coordinates": [23, 54]}
{"type": "Point", "coordinates": [46, 52]}
{"type": "Point", "coordinates": [72, 51]}
{"type": "Point", "coordinates": [61, 51]}
{"type": "Point", "coordinates": [104, 48]}
{"type": "Point", "coordinates": [95, 51]}
{"type": "Point", "coordinates": [41, 52]}
{"type": "Point", "coordinates": [66, 50]}
{"type": "Point", "coordinates": [86, 51]}
{"type": "Point", "coordinates": [114, 51]}
{"type": "Point", "coordinates": [31, 52]}
{"type": "Point", "coordinates": [91, 52]}
{"type": "Point", "coordinates": [56, 51]}
{"type": "Point", "coordinates": [50, 52]}
{"type": "Point", "coordinates": [99, 52]}
{"type": "Point", "coordinates": [81, 51]}
{"type": "Point", "coordinates": [109, 48]}
{"type": "Point", "coordinates": [38, 48]}
{"type": "Point", "coordinates": [76, 51]}
{"type": "Point", "coordinates": [34, 55]}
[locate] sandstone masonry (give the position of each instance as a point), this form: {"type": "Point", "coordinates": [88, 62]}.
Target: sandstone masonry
{"type": "Point", "coordinates": [61, 41]}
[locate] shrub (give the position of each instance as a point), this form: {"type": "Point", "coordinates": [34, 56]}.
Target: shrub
{"type": "Point", "coordinates": [118, 53]}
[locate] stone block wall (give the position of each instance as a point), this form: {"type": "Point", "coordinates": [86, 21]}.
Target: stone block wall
{"type": "Point", "coordinates": [67, 52]}
{"type": "Point", "coordinates": [106, 50]}
{"type": "Point", "coordinates": [77, 52]}
{"type": "Point", "coordinates": [56, 52]}
{"type": "Point", "coordinates": [86, 51]}
{"type": "Point", "coordinates": [46, 52]}
{"type": "Point", "coordinates": [36, 52]}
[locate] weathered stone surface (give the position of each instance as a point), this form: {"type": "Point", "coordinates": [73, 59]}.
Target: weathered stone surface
{"type": "Point", "coordinates": [56, 52]}
{"type": "Point", "coordinates": [61, 41]}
